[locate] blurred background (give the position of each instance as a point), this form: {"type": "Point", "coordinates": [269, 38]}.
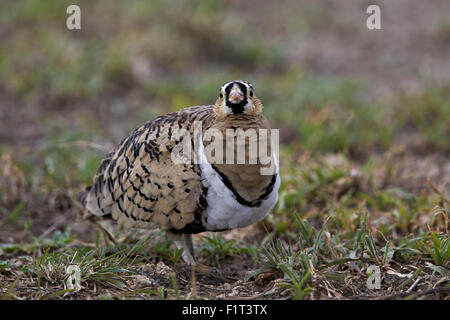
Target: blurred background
{"type": "Point", "coordinates": [336, 89]}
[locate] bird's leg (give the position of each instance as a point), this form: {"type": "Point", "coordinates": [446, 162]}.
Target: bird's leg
{"type": "Point", "coordinates": [190, 245]}
{"type": "Point", "coordinates": [107, 235]}
{"type": "Point", "coordinates": [185, 241]}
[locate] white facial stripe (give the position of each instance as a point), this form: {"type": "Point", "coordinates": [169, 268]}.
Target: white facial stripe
{"type": "Point", "coordinates": [247, 85]}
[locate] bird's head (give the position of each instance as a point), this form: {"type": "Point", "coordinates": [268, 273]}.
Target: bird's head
{"type": "Point", "coordinates": [237, 97]}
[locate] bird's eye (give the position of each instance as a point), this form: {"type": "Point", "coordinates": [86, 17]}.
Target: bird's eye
{"type": "Point", "coordinates": [250, 93]}
{"type": "Point", "coordinates": [221, 95]}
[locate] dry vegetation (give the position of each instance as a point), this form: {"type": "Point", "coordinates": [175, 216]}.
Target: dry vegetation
{"type": "Point", "coordinates": [364, 118]}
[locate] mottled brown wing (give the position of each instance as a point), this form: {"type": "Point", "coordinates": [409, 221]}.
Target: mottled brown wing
{"type": "Point", "coordinates": [139, 185]}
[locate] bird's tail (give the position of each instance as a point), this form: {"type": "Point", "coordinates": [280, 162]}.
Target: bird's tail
{"type": "Point", "coordinates": [82, 196]}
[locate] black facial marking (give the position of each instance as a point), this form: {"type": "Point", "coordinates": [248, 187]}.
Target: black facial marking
{"type": "Point", "coordinates": [236, 107]}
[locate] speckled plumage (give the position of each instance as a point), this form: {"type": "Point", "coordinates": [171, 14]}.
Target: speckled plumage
{"type": "Point", "coordinates": [138, 185]}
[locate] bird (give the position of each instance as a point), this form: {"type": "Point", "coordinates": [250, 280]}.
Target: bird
{"type": "Point", "coordinates": [140, 184]}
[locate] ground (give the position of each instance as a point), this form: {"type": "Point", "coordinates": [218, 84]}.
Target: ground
{"type": "Point", "coordinates": [364, 119]}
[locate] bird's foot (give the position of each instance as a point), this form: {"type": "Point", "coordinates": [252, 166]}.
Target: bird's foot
{"type": "Point", "coordinates": [188, 258]}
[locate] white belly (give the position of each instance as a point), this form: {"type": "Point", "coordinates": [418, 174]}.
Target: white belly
{"type": "Point", "coordinates": [224, 211]}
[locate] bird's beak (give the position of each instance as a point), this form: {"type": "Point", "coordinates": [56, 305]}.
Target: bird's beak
{"type": "Point", "coordinates": [235, 95]}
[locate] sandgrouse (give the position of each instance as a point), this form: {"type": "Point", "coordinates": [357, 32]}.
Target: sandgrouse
{"type": "Point", "coordinates": [175, 172]}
